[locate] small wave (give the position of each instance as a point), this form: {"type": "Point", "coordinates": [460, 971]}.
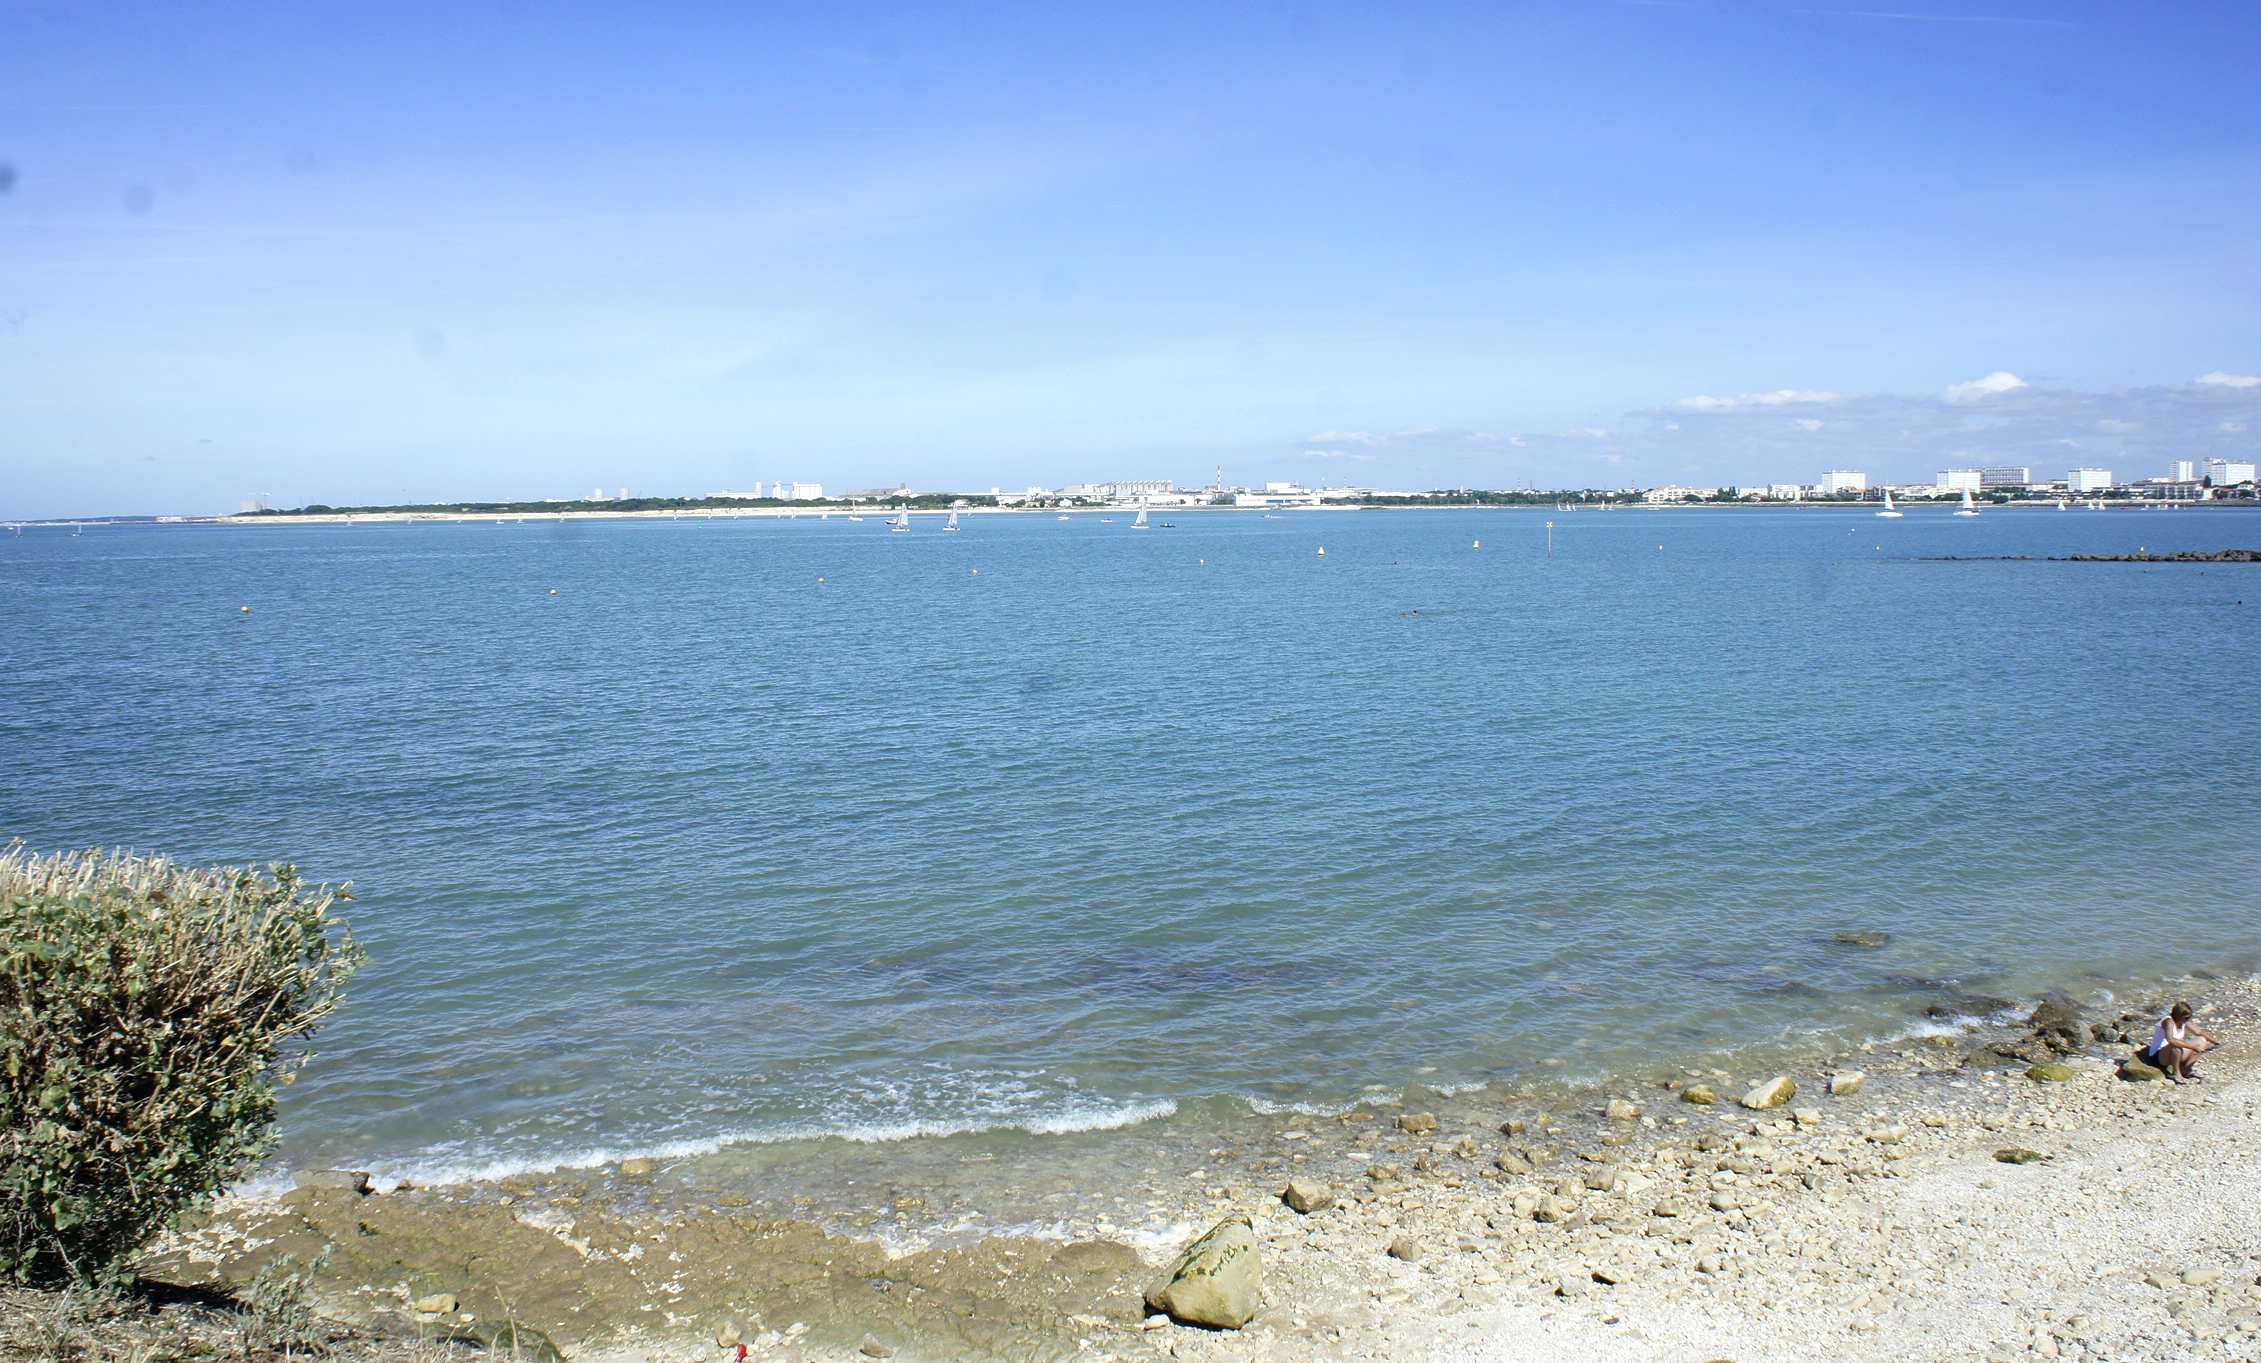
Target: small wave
{"type": "Point", "coordinates": [1068, 1121]}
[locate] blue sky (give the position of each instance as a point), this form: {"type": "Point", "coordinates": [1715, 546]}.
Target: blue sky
{"type": "Point", "coordinates": [388, 253]}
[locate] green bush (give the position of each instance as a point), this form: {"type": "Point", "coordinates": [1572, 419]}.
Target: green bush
{"type": "Point", "coordinates": [146, 1009]}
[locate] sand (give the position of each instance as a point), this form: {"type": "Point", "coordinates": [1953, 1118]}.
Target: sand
{"type": "Point", "coordinates": [1872, 1226]}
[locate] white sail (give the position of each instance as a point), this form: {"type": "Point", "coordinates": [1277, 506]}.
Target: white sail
{"type": "Point", "coordinates": [1968, 509]}
{"type": "Point", "coordinates": [1140, 522]}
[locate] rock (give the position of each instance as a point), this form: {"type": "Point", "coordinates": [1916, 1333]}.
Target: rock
{"type": "Point", "coordinates": [1889, 1135]}
{"type": "Point", "coordinates": [1307, 1196]}
{"type": "Point", "coordinates": [437, 1304]}
{"type": "Point", "coordinates": [522, 1344]}
{"type": "Point", "coordinates": [872, 1348]}
{"type": "Point", "coordinates": [353, 1180]}
{"type": "Point", "coordinates": [1703, 1095]}
{"type": "Point", "coordinates": [1846, 1083]}
{"type": "Point", "coordinates": [2018, 1154]}
{"type": "Point", "coordinates": [1773, 1093]}
{"type": "Point", "coordinates": [1465, 1147]}
{"type": "Point", "coordinates": [1573, 1284]}
{"type": "Point", "coordinates": [1621, 1111]}
{"type": "Point", "coordinates": [1806, 1116]}
{"type": "Point", "coordinates": [2056, 1022]}
{"type": "Point", "coordinates": [2202, 1277]}
{"type": "Point", "coordinates": [1417, 1123]}
{"type": "Point", "coordinates": [1865, 937]}
{"type": "Point", "coordinates": [1407, 1248]}
{"type": "Point", "coordinates": [1552, 1209]}
{"type": "Point", "coordinates": [2052, 1072]}
{"type": "Point", "coordinates": [639, 1167]}
{"type": "Point", "coordinates": [1511, 1163]}
{"type": "Point", "coordinates": [1383, 1173]}
{"type": "Point", "coordinates": [2137, 1072]}
{"type": "Point", "coordinates": [1217, 1281]}
{"type": "Point", "coordinates": [730, 1336]}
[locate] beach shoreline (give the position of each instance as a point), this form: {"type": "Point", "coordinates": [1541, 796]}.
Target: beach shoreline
{"type": "Point", "coordinates": [1492, 1225]}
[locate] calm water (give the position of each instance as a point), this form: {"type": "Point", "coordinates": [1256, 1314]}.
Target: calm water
{"type": "Point", "coordinates": [764, 830]}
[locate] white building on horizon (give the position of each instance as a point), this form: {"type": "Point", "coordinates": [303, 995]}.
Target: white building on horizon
{"type": "Point", "coordinates": [1843, 480]}
{"type": "Point", "coordinates": [2088, 480]}
{"type": "Point", "coordinates": [2182, 470]}
{"type": "Point", "coordinates": [2229, 472]}
{"type": "Point", "coordinates": [1962, 480]}
{"type": "Point", "coordinates": [2004, 478]}
{"type": "Point", "coordinates": [797, 492]}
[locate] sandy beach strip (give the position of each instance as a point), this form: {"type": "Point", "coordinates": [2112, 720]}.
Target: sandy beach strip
{"type": "Point", "coordinates": [1625, 1224]}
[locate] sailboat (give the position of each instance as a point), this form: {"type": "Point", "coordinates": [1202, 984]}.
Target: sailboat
{"type": "Point", "coordinates": [1967, 508]}
{"type": "Point", "coordinates": [1140, 522]}
{"type": "Point", "coordinates": [902, 520]}
{"type": "Point", "coordinates": [1888, 508]}
{"type": "Point", "coordinates": [952, 523]}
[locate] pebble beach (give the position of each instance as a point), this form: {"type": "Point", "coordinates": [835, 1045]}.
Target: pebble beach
{"type": "Point", "coordinates": [1991, 1192]}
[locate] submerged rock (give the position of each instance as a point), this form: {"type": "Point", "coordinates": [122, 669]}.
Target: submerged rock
{"type": "Point", "coordinates": [2056, 1024]}
{"type": "Point", "coordinates": [1773, 1093]}
{"type": "Point", "coordinates": [1704, 1095]}
{"type": "Point", "coordinates": [1620, 1110]}
{"type": "Point", "coordinates": [1217, 1281]}
{"type": "Point", "coordinates": [352, 1180]}
{"type": "Point", "coordinates": [1418, 1123]}
{"type": "Point", "coordinates": [2053, 1073]}
{"type": "Point", "coordinates": [1864, 937]}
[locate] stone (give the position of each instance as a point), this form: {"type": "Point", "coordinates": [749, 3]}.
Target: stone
{"type": "Point", "coordinates": [638, 1167]}
{"type": "Point", "coordinates": [1621, 1111]}
{"type": "Point", "coordinates": [352, 1180]}
{"type": "Point", "coordinates": [1806, 1116]}
{"type": "Point", "coordinates": [1703, 1095]}
{"type": "Point", "coordinates": [872, 1348]}
{"type": "Point", "coordinates": [1383, 1173]}
{"type": "Point", "coordinates": [437, 1304]}
{"type": "Point", "coordinates": [2137, 1072]}
{"type": "Point", "coordinates": [1217, 1281]}
{"type": "Point", "coordinates": [2056, 1023]}
{"type": "Point", "coordinates": [1573, 1284]}
{"type": "Point", "coordinates": [1551, 1209]}
{"type": "Point", "coordinates": [1602, 1180]}
{"type": "Point", "coordinates": [1407, 1248]}
{"type": "Point", "coordinates": [522, 1344]}
{"type": "Point", "coordinates": [1889, 1135]}
{"type": "Point", "coordinates": [1511, 1163]}
{"type": "Point", "coordinates": [1864, 937]}
{"type": "Point", "coordinates": [2052, 1072]}
{"type": "Point", "coordinates": [1846, 1083]}
{"type": "Point", "coordinates": [730, 1336]}
{"type": "Point", "coordinates": [2202, 1277]}
{"type": "Point", "coordinates": [2018, 1154]}
{"type": "Point", "coordinates": [1773, 1093]}
{"type": "Point", "coordinates": [1307, 1196]}
{"type": "Point", "coordinates": [1418, 1123]}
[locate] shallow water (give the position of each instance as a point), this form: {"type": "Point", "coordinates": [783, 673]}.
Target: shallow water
{"type": "Point", "coordinates": [1052, 825]}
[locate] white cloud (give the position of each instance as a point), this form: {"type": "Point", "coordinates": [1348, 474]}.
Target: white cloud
{"type": "Point", "coordinates": [1585, 433]}
{"type": "Point", "coordinates": [1780, 397]}
{"type": "Point", "coordinates": [1351, 438]}
{"type": "Point", "coordinates": [2218, 379]}
{"type": "Point", "coordinates": [2000, 381]}
{"type": "Point", "coordinates": [1338, 454]}
{"type": "Point", "coordinates": [2235, 427]}
{"type": "Point", "coordinates": [1808, 423]}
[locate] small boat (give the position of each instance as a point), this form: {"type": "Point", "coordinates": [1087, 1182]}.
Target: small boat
{"type": "Point", "coordinates": [2061, 504]}
{"type": "Point", "coordinates": [1967, 509]}
{"type": "Point", "coordinates": [1888, 508]}
{"type": "Point", "coordinates": [902, 521]}
{"type": "Point", "coordinates": [952, 523]}
{"type": "Point", "coordinates": [1060, 518]}
{"type": "Point", "coordinates": [1140, 522]}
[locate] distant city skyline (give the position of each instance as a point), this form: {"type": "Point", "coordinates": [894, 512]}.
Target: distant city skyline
{"type": "Point", "coordinates": [427, 253]}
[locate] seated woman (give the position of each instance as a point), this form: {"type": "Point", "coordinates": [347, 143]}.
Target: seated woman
{"type": "Point", "coordinates": [2177, 1041]}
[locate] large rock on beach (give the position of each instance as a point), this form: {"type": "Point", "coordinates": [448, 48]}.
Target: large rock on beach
{"type": "Point", "coordinates": [1307, 1196]}
{"type": "Point", "coordinates": [1704, 1095]}
{"type": "Point", "coordinates": [1216, 1282]}
{"type": "Point", "coordinates": [1620, 1110]}
{"type": "Point", "coordinates": [2052, 1072]}
{"type": "Point", "coordinates": [1773, 1093]}
{"type": "Point", "coordinates": [1846, 1083]}
{"type": "Point", "coordinates": [2137, 1072]}
{"type": "Point", "coordinates": [1417, 1123]}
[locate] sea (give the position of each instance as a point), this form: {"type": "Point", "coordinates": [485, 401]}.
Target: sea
{"type": "Point", "coordinates": [806, 853]}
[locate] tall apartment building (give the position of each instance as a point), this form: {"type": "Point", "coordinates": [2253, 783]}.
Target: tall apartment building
{"type": "Point", "coordinates": [2006, 477]}
{"type": "Point", "coordinates": [2088, 480]}
{"type": "Point", "coordinates": [2229, 472]}
{"type": "Point", "coordinates": [1961, 480]}
{"type": "Point", "coordinates": [1843, 480]}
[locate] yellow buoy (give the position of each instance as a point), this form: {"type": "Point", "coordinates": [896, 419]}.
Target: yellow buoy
{"type": "Point", "coordinates": [1322, 551]}
{"type": "Point", "coordinates": [977, 572]}
{"type": "Point", "coordinates": [820, 581]}
{"type": "Point", "coordinates": [247, 610]}
{"type": "Point", "coordinates": [553, 591]}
